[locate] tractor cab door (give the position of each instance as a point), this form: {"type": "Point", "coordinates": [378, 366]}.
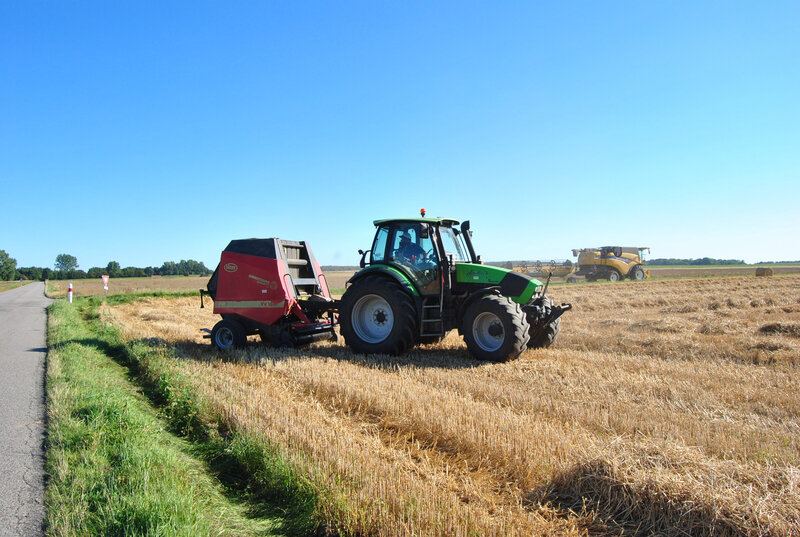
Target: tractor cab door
{"type": "Point", "coordinates": [409, 247]}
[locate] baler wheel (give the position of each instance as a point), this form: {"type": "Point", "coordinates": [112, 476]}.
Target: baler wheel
{"type": "Point", "coordinates": [228, 334]}
{"type": "Point", "coordinates": [377, 316]}
{"type": "Point", "coordinates": [495, 329]}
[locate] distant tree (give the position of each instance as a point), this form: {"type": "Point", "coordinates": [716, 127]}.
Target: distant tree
{"type": "Point", "coordinates": [132, 272]}
{"type": "Point", "coordinates": [190, 266]}
{"type": "Point", "coordinates": [95, 272]}
{"type": "Point", "coordinates": [169, 268]}
{"type": "Point", "coordinates": [113, 269]}
{"type": "Point", "coordinates": [699, 261]}
{"type": "Point", "coordinates": [66, 263]}
{"type": "Point", "coordinates": [31, 273]}
{"type": "Point", "coordinates": [8, 266]}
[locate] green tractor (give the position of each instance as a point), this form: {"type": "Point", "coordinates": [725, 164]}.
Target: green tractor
{"type": "Point", "coordinates": [424, 279]}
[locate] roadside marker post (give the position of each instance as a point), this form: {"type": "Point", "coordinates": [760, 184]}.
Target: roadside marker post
{"type": "Point", "coordinates": [69, 292]}
{"type": "Point", "coordinates": [105, 284]}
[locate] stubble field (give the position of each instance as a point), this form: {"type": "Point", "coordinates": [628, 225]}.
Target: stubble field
{"type": "Point", "coordinates": [118, 286]}
{"type": "Point", "coordinates": [666, 407]}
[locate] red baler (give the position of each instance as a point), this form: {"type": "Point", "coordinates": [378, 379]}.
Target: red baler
{"type": "Point", "coordinates": [271, 287]}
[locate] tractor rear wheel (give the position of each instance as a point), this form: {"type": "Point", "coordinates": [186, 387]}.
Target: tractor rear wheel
{"type": "Point", "coordinates": [377, 316]}
{"type": "Point", "coordinates": [495, 329]}
{"type": "Point", "coordinates": [228, 334]}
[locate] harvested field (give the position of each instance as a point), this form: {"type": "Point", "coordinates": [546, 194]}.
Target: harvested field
{"type": "Point", "coordinates": [119, 286]}
{"type": "Point", "coordinates": [712, 271]}
{"type": "Point", "coordinates": [666, 407]}
{"type": "Point", "coordinates": [7, 286]}
{"type": "Point", "coordinates": [338, 279]}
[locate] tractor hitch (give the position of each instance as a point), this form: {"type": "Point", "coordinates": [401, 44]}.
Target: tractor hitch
{"type": "Point", "coordinates": [558, 311]}
{"type": "Point", "coordinates": [545, 321]}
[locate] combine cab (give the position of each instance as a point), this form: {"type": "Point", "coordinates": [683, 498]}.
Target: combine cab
{"type": "Point", "coordinates": [273, 288]}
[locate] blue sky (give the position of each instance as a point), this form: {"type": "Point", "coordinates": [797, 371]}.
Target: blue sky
{"type": "Point", "coordinates": [143, 132]}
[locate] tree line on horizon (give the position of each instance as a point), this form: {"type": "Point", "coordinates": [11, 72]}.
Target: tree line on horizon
{"type": "Point", "coordinates": [708, 261]}
{"type": "Point", "coordinates": [66, 267]}
{"type": "Point", "coordinates": [698, 261]}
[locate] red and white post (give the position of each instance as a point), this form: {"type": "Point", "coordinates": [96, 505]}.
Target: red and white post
{"type": "Point", "coordinates": [69, 293]}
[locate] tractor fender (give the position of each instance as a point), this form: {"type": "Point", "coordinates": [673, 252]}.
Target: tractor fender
{"type": "Point", "coordinates": [472, 297]}
{"type": "Point", "coordinates": [389, 272]}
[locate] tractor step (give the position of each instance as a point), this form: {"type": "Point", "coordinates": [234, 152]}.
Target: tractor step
{"type": "Point", "coordinates": [431, 318]}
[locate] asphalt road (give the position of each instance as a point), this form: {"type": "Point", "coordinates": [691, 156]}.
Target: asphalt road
{"type": "Point", "coordinates": [23, 322]}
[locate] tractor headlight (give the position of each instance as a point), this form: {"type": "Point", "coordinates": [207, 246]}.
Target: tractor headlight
{"type": "Point", "coordinates": [539, 289]}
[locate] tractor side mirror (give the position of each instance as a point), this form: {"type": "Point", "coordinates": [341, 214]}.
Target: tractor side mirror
{"type": "Point", "coordinates": [363, 262]}
{"type": "Point", "coordinates": [424, 232]}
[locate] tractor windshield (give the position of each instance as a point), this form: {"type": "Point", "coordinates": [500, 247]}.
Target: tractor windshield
{"type": "Point", "coordinates": [452, 245]}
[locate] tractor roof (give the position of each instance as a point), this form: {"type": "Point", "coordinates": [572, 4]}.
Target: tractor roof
{"type": "Point", "coordinates": [441, 221]}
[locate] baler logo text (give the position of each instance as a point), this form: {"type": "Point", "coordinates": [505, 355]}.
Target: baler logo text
{"type": "Point", "coordinates": [231, 267]}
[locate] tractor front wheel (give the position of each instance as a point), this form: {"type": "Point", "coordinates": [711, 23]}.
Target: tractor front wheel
{"type": "Point", "coordinates": [638, 273]}
{"type": "Point", "coordinates": [546, 336]}
{"type": "Point", "coordinates": [377, 316]}
{"type": "Point", "coordinates": [228, 334]}
{"type": "Point", "coordinates": [495, 329]}
{"type": "Point", "coordinates": [613, 276]}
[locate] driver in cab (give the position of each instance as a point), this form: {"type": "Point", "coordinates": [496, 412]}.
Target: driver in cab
{"type": "Point", "coordinates": [409, 250]}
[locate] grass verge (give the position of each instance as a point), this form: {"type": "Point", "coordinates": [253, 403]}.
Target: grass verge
{"type": "Point", "coordinates": [115, 463]}
{"type": "Point", "coordinates": [7, 286]}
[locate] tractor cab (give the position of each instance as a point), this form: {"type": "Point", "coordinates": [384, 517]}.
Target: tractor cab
{"type": "Point", "coordinates": [423, 249]}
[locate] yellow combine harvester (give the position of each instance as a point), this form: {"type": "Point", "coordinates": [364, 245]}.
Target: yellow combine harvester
{"type": "Point", "coordinates": [611, 263]}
